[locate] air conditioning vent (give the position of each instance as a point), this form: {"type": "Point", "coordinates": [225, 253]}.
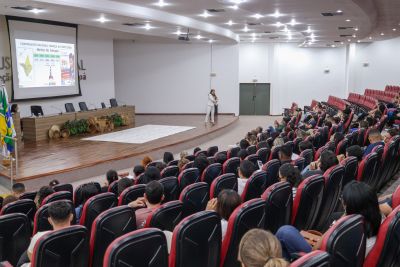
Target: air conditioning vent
{"type": "Point", "coordinates": [254, 23]}
{"type": "Point", "coordinates": [345, 35]}
{"type": "Point", "coordinates": [332, 14]}
{"type": "Point", "coordinates": [216, 10]}
{"type": "Point", "coordinates": [274, 37]}
{"type": "Point", "coordinates": [345, 28]}
{"type": "Point", "coordinates": [337, 41]}
{"type": "Point", "coordinates": [24, 8]}
{"type": "Point", "coordinates": [267, 32]}
{"type": "Point", "coordinates": [134, 24]}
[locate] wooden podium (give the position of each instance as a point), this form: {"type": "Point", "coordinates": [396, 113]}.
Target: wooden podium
{"type": "Point", "coordinates": [37, 128]}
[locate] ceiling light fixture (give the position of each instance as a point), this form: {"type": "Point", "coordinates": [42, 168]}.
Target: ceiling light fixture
{"type": "Point", "coordinates": [309, 29]}
{"type": "Point", "coordinates": [36, 10]}
{"type": "Point", "coordinates": [237, 2]}
{"type": "Point", "coordinates": [148, 27]}
{"type": "Point", "coordinates": [102, 19]}
{"type": "Point", "coordinates": [278, 24]}
{"type": "Point", "coordinates": [358, 41]}
{"type": "Point", "coordinates": [235, 7]}
{"type": "Point", "coordinates": [211, 41]}
{"type": "Point", "coordinates": [339, 11]}
{"type": "Point", "coordinates": [293, 22]}
{"type": "Point", "coordinates": [253, 40]}
{"type": "Point", "coordinates": [341, 43]}
{"type": "Point", "coordinates": [394, 29]}
{"type": "Point", "coordinates": [382, 34]}
{"type": "Point", "coordinates": [257, 16]}
{"type": "Point", "coordinates": [370, 38]}
{"type": "Point", "coordinates": [354, 36]}
{"type": "Point", "coordinates": [333, 46]}
{"type": "Point", "coordinates": [198, 37]}
{"type": "Point", "coordinates": [277, 14]}
{"type": "Point", "coordinates": [348, 20]}
{"type": "Point", "coordinates": [245, 29]}
{"type": "Point", "coordinates": [289, 35]}
{"type": "Point", "coordinates": [348, 40]}
{"type": "Point", "coordinates": [161, 3]}
{"type": "Point", "coordinates": [205, 14]}
{"type": "Point", "coordinates": [178, 32]}
{"type": "Point", "coordinates": [230, 23]}
{"type": "Point", "coordinates": [356, 29]}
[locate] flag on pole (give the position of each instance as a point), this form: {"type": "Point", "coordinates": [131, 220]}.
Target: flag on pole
{"type": "Point", "coordinates": [6, 122]}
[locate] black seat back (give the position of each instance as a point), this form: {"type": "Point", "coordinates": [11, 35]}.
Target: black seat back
{"type": "Point", "coordinates": [251, 150]}
{"type": "Point", "coordinates": [108, 226]}
{"type": "Point", "coordinates": [367, 168]}
{"type": "Point", "coordinates": [78, 199]}
{"type": "Point", "coordinates": [64, 187]}
{"type": "Point", "coordinates": [65, 247]}
{"type": "Point", "coordinates": [255, 185]}
{"type": "Point", "coordinates": [187, 177]}
{"type": "Point", "coordinates": [140, 248]}
{"type": "Point", "coordinates": [113, 102]}
{"type": "Point", "coordinates": [169, 171]}
{"type": "Point", "coordinates": [61, 195]}
{"type": "Point", "coordinates": [131, 193]}
{"type": "Point", "coordinates": [263, 154]}
{"type": "Point", "coordinates": [166, 217]}
{"type": "Point", "coordinates": [171, 188]}
{"type": "Point", "coordinates": [278, 208]}
{"type": "Point", "coordinates": [36, 111]}
{"type": "Point", "coordinates": [211, 172]}
{"type": "Point", "coordinates": [28, 195]}
{"type": "Point", "coordinates": [224, 181]}
{"type": "Point", "coordinates": [15, 233]}
{"type": "Point", "coordinates": [272, 169]}
{"type": "Point", "coordinates": [254, 159]}
{"type": "Point", "coordinates": [69, 107]}
{"type": "Point", "coordinates": [231, 165]}
{"type": "Point", "coordinates": [194, 198]}
{"type": "Point", "coordinates": [233, 152]}
{"type": "Point", "coordinates": [96, 205]}
{"type": "Point", "coordinates": [197, 241]}
{"type": "Point", "coordinates": [83, 106]}
{"type": "Point", "coordinates": [316, 258]}
{"type": "Point", "coordinates": [24, 206]}
{"type": "Point", "coordinates": [350, 165]}
{"type": "Point", "coordinates": [247, 216]}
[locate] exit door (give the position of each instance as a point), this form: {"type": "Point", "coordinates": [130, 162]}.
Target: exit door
{"type": "Point", "coordinates": [254, 99]}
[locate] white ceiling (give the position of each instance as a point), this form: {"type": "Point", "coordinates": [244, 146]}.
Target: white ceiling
{"type": "Point", "coordinates": [369, 18]}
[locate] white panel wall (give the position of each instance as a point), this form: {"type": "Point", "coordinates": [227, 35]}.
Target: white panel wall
{"type": "Point", "coordinates": [254, 63]}
{"type": "Point", "coordinates": [175, 78]}
{"type": "Point", "coordinates": [95, 48]}
{"type": "Point", "coordinates": [384, 65]}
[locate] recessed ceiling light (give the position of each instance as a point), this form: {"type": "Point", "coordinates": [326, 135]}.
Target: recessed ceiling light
{"type": "Point", "coordinates": [285, 29]}
{"type": "Point", "coordinates": [354, 36]}
{"type": "Point", "coordinates": [341, 42]}
{"type": "Point", "coordinates": [245, 29]}
{"type": "Point", "coordinates": [358, 41]}
{"type": "Point", "coordinates": [237, 2]}
{"type": "Point", "coordinates": [309, 29]}
{"type": "Point", "coordinates": [235, 7]}
{"type": "Point", "coordinates": [289, 35]}
{"type": "Point", "coordinates": [278, 24]}
{"type": "Point", "coordinates": [253, 40]}
{"type": "Point", "coordinates": [161, 3]}
{"type": "Point", "coordinates": [356, 29]}
{"type": "Point", "coordinates": [102, 19]}
{"type": "Point", "coordinates": [148, 27]}
{"type": "Point", "coordinates": [205, 14]}
{"type": "Point", "coordinates": [277, 14]}
{"type": "Point", "coordinates": [348, 20]}
{"type": "Point", "coordinates": [348, 40]}
{"type": "Point", "coordinates": [230, 23]}
{"type": "Point", "coordinates": [178, 32]}
{"type": "Point", "coordinates": [257, 16]}
{"type": "Point", "coordinates": [370, 38]}
{"type": "Point", "coordinates": [333, 46]}
{"type": "Point", "coordinates": [394, 29]}
{"type": "Point", "coordinates": [198, 37]}
{"type": "Point", "coordinates": [339, 11]}
{"type": "Point", "coordinates": [36, 10]}
{"type": "Point", "coordinates": [293, 22]}
{"type": "Point", "coordinates": [211, 41]}
{"type": "Point", "coordinates": [382, 34]}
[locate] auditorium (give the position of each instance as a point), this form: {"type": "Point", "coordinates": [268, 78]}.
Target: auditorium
{"type": "Point", "coordinates": [200, 133]}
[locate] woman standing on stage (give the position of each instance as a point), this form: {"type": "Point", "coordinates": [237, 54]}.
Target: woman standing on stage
{"type": "Point", "coordinates": [212, 102]}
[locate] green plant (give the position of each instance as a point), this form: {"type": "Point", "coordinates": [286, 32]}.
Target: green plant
{"type": "Point", "coordinates": [117, 120]}
{"type": "Point", "coordinates": [76, 126]}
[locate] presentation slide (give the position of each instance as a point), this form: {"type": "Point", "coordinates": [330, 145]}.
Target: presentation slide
{"type": "Point", "coordinates": [42, 64]}
{"type": "Point", "coordinates": [44, 59]}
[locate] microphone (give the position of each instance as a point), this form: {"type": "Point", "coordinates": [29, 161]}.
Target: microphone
{"type": "Point", "coordinates": [58, 109]}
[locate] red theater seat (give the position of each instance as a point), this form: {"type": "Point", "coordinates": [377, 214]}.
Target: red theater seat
{"type": "Point", "coordinates": [131, 194]}
{"type": "Point", "coordinates": [224, 181]}
{"type": "Point", "coordinates": [194, 198]}
{"type": "Point", "coordinates": [350, 165]}
{"type": "Point", "coordinates": [272, 169]}
{"type": "Point", "coordinates": [211, 172]}
{"type": "Point", "coordinates": [263, 154]}
{"type": "Point", "coordinates": [64, 187]}
{"type": "Point", "coordinates": [231, 165]}
{"type": "Point", "coordinates": [316, 258]}
{"type": "Point", "coordinates": [166, 217]}
{"type": "Point", "coordinates": [24, 206]}
{"type": "Point", "coordinates": [62, 195]}
{"type": "Point", "coordinates": [255, 185]}
{"type": "Point", "coordinates": [170, 171]}
{"type": "Point", "coordinates": [187, 177]}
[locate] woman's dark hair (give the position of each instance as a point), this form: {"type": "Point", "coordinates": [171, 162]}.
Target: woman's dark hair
{"type": "Point", "coordinates": [355, 151]}
{"type": "Point", "coordinates": [244, 144]}
{"type": "Point", "coordinates": [359, 198]}
{"type": "Point", "coordinates": [200, 162]}
{"type": "Point", "coordinates": [88, 191]}
{"type": "Point", "coordinates": [138, 170]}
{"type": "Point", "coordinates": [328, 124]}
{"type": "Point", "coordinates": [291, 173]}
{"type": "Point", "coordinates": [228, 201]}
{"type": "Point", "coordinates": [242, 154]}
{"type": "Point", "coordinates": [43, 192]}
{"type": "Point", "coordinates": [337, 138]}
{"type": "Point", "coordinates": [197, 149]}
{"type": "Point", "coordinates": [111, 176]}
{"type": "Point", "coordinates": [152, 174]}
{"type": "Point", "coordinates": [328, 159]}
{"type": "Point", "coordinates": [168, 157]}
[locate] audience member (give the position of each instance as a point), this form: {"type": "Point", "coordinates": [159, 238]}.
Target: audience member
{"type": "Point", "coordinates": [87, 191]}
{"type": "Point", "coordinates": [9, 199]}
{"type": "Point", "coordinates": [228, 200]}
{"type": "Point", "coordinates": [168, 157]}
{"type": "Point", "coordinates": [389, 134]}
{"type": "Point", "coordinates": [145, 161]}
{"type": "Point", "coordinates": [160, 165]}
{"type": "Point", "coordinates": [138, 170]}
{"type": "Point", "coordinates": [200, 162]}
{"type": "Point", "coordinates": [246, 169]}
{"type": "Point", "coordinates": [220, 158]}
{"type": "Point", "coordinates": [18, 189]}
{"type": "Point", "coordinates": [123, 184]}
{"type": "Point", "coordinates": [375, 139]}
{"type": "Point", "coordinates": [151, 200]}
{"type": "Point", "coordinates": [327, 159]}
{"type": "Point", "coordinates": [242, 154]}
{"type": "Point", "coordinates": [151, 174]}
{"type": "Point", "coordinates": [43, 192]}
{"type": "Point", "coordinates": [259, 248]}
{"type": "Point", "coordinates": [303, 145]}
{"type": "Point", "coordinates": [244, 144]}
{"type": "Point", "coordinates": [196, 149]}
{"type": "Point", "coordinates": [60, 217]}
{"type": "Point", "coordinates": [183, 160]}
{"type": "Point", "coordinates": [355, 151]}
{"type": "Point", "coordinates": [278, 142]}
{"type": "Point", "coordinates": [285, 154]}
{"type": "Point", "coordinates": [54, 182]}
{"type": "Point", "coordinates": [290, 173]}
{"type": "Point", "coordinates": [111, 176]}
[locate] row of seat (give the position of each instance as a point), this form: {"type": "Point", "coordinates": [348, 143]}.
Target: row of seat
{"type": "Point", "coordinates": [362, 100]}
{"type": "Point", "coordinates": [385, 96]}
{"type": "Point", "coordinates": [392, 88]}
{"type": "Point", "coordinates": [336, 102]}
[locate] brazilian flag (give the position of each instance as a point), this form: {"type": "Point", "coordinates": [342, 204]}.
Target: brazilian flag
{"type": "Point", "coordinates": [6, 121]}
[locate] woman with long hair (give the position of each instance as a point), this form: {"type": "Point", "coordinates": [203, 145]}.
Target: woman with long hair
{"type": "Point", "coordinates": [212, 102]}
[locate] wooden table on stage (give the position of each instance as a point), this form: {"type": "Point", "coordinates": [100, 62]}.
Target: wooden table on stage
{"type": "Point", "coordinates": [37, 128]}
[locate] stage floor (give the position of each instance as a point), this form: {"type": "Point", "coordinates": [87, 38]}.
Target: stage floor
{"type": "Point", "coordinates": [46, 158]}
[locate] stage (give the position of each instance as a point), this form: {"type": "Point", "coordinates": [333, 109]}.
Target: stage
{"type": "Point", "coordinates": [70, 159]}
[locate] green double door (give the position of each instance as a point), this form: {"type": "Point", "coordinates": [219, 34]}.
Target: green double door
{"type": "Point", "coordinates": [254, 99]}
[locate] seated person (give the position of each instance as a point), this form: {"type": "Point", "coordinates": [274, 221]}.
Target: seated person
{"type": "Point", "coordinates": [138, 170]}
{"type": "Point", "coordinates": [168, 157]}
{"type": "Point", "coordinates": [354, 127]}
{"type": "Point", "coordinates": [352, 151]}
{"type": "Point", "coordinates": [375, 139]}
{"type": "Point", "coordinates": [260, 248]}
{"type": "Point", "coordinates": [60, 217]}
{"type": "Point", "coordinates": [286, 154]}
{"type": "Point", "coordinates": [389, 134]}
{"type": "Point", "coordinates": [357, 198]}
{"type": "Point", "coordinates": [145, 161]}
{"type": "Point", "coordinates": [220, 158]}
{"type": "Point", "coordinates": [9, 199]}
{"type": "Point", "coordinates": [151, 174]}
{"type": "Point", "coordinates": [228, 200]}
{"type": "Point", "coordinates": [183, 160]}
{"type": "Point", "coordinates": [111, 176]}
{"type": "Point", "coordinates": [242, 154]}
{"type": "Point", "coordinates": [87, 191]}
{"type": "Point", "coordinates": [304, 145]}
{"type": "Point", "coordinates": [290, 173]}
{"type": "Point", "coordinates": [278, 142]}
{"type": "Point", "coordinates": [245, 171]}
{"type": "Point", "coordinates": [151, 200]}
{"type": "Point", "coordinates": [43, 192]}
{"type": "Point", "coordinates": [327, 159]}
{"type": "Point", "coordinates": [244, 144]}
{"type": "Point", "coordinates": [160, 165]}
{"type": "Point", "coordinates": [123, 184]}
{"type": "Point", "coordinates": [201, 163]}
{"type": "Point", "coordinates": [18, 189]}
{"type": "Point", "coordinates": [196, 149]}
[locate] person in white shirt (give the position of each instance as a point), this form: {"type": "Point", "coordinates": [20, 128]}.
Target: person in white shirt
{"type": "Point", "coordinates": [246, 169]}
{"type": "Point", "coordinates": [289, 173]}
{"type": "Point", "coordinates": [228, 200]}
{"type": "Point", "coordinates": [60, 216]}
{"type": "Point", "coordinates": [211, 103]}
